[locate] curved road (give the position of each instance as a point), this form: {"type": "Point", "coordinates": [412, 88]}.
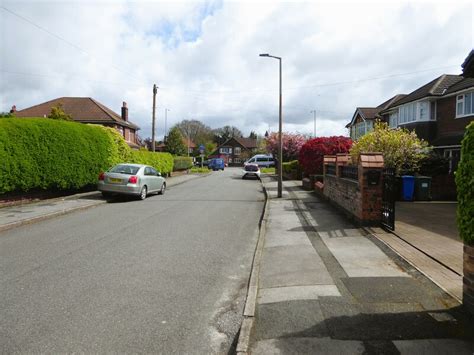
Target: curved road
{"type": "Point", "coordinates": [164, 275]}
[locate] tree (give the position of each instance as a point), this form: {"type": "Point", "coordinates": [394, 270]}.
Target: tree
{"type": "Point", "coordinates": [224, 133]}
{"type": "Point", "coordinates": [314, 150]}
{"type": "Point", "coordinates": [196, 131]}
{"type": "Point", "coordinates": [7, 115]}
{"type": "Point", "coordinates": [174, 143]}
{"type": "Point", "coordinates": [253, 135]}
{"type": "Point", "coordinates": [401, 149]}
{"type": "Point", "coordinates": [57, 113]}
{"type": "Point", "coordinates": [292, 143]}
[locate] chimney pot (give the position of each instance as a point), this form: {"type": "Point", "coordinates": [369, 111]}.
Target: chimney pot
{"type": "Point", "coordinates": [124, 111]}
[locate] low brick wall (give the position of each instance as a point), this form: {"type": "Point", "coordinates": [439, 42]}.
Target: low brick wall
{"type": "Point", "coordinates": [359, 192]}
{"type": "Point", "coordinates": [468, 279]}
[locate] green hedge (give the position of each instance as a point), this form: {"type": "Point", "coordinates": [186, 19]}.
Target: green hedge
{"type": "Point", "coordinates": [162, 162]}
{"type": "Point", "coordinates": [38, 153]}
{"type": "Point", "coordinates": [465, 187]}
{"type": "Point", "coordinates": [290, 166]}
{"type": "Point", "coordinates": [182, 163]}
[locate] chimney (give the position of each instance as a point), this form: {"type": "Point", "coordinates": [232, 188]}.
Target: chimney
{"type": "Point", "coordinates": [124, 111]}
{"type": "Point", "coordinates": [13, 110]}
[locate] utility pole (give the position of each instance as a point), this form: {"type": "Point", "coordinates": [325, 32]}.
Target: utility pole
{"type": "Point", "coordinates": [166, 119]}
{"type": "Point", "coordinates": [314, 113]}
{"type": "Point", "coordinates": [155, 90]}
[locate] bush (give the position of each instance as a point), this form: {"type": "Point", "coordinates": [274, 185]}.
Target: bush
{"type": "Point", "coordinates": [401, 149]}
{"type": "Point", "coordinates": [314, 150]}
{"type": "Point", "coordinates": [465, 187]}
{"type": "Point", "coordinates": [200, 170]}
{"type": "Point", "coordinates": [38, 153]}
{"type": "Point", "coordinates": [182, 163]}
{"type": "Point", "coordinates": [162, 162]}
{"type": "Point", "coordinates": [290, 166]}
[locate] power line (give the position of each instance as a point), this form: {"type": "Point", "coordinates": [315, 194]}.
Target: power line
{"type": "Point", "coordinates": [59, 37]}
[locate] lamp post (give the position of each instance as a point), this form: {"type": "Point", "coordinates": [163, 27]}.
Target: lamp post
{"type": "Point", "coordinates": [166, 119]}
{"type": "Point", "coordinates": [280, 140]}
{"type": "Point", "coordinates": [314, 113]}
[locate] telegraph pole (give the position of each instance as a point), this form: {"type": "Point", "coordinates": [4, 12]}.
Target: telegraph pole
{"type": "Point", "coordinates": [166, 124]}
{"type": "Point", "coordinates": [155, 90]}
{"type": "Point", "coordinates": [314, 113]}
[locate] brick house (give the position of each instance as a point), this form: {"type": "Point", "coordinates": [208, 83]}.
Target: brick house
{"type": "Point", "coordinates": [362, 121]}
{"type": "Point", "coordinates": [236, 150]}
{"type": "Point", "coordinates": [87, 110]}
{"type": "Point", "coordinates": [189, 144]}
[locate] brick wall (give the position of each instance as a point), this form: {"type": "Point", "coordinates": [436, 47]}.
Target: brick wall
{"type": "Point", "coordinates": [468, 279]}
{"type": "Point", "coordinates": [446, 119]}
{"type": "Point", "coordinates": [357, 198]}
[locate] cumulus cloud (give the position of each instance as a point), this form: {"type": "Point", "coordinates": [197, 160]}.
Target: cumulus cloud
{"type": "Point", "coordinates": [204, 57]}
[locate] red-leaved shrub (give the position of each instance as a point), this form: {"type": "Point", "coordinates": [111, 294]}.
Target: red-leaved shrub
{"type": "Point", "coordinates": [312, 152]}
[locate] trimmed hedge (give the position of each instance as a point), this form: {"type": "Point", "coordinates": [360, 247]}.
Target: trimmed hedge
{"type": "Point", "coordinates": [182, 163]}
{"type": "Point", "coordinates": [290, 166]}
{"type": "Point", "coordinates": [465, 187]}
{"type": "Point", "coordinates": [162, 162]}
{"type": "Point", "coordinates": [38, 153]}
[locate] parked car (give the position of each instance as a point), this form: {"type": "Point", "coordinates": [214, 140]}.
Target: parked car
{"type": "Point", "coordinates": [205, 163]}
{"type": "Point", "coordinates": [216, 164]}
{"type": "Point", "coordinates": [262, 160]}
{"type": "Point", "coordinates": [131, 179]}
{"type": "Point", "coordinates": [251, 170]}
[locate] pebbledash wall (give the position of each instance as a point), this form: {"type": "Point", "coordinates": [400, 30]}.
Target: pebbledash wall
{"type": "Point", "coordinates": [356, 189]}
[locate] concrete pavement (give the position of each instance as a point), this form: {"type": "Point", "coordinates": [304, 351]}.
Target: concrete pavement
{"type": "Point", "coordinates": [14, 216]}
{"type": "Point", "coordinates": [327, 286]}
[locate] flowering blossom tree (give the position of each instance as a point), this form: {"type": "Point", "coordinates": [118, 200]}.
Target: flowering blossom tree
{"type": "Point", "coordinates": [292, 143]}
{"type": "Point", "coordinates": [313, 151]}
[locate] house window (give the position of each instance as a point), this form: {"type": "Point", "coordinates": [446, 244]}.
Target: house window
{"type": "Point", "coordinates": [393, 120]}
{"type": "Point", "coordinates": [415, 111]}
{"type": "Point", "coordinates": [237, 151]}
{"type": "Point", "coordinates": [454, 156]}
{"type": "Point", "coordinates": [361, 128]}
{"type": "Point", "coordinates": [465, 104]}
{"type": "Point", "coordinates": [237, 160]}
{"type": "Point", "coordinates": [225, 150]}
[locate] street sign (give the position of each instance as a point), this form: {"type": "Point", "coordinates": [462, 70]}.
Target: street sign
{"type": "Point", "coordinates": [201, 149]}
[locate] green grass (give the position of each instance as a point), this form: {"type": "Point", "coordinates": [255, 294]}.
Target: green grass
{"type": "Point", "coordinates": [267, 170]}
{"type": "Point", "coordinates": [199, 170]}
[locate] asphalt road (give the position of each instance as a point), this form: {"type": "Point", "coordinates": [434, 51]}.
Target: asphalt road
{"type": "Point", "coordinates": [164, 275]}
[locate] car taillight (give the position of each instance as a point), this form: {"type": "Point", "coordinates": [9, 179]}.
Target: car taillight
{"type": "Point", "coordinates": [101, 176]}
{"type": "Point", "coordinates": [133, 179]}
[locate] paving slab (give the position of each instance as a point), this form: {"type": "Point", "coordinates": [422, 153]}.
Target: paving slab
{"type": "Point", "coordinates": [434, 347]}
{"type": "Point", "coordinates": [308, 346]}
{"type": "Point", "coordinates": [294, 293]}
{"type": "Point", "coordinates": [360, 257]}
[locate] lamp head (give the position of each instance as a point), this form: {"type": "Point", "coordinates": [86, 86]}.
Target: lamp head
{"type": "Point", "coordinates": [264, 55]}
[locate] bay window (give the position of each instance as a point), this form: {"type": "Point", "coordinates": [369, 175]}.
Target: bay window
{"type": "Point", "coordinates": [465, 104]}
{"type": "Point", "coordinates": [415, 111]}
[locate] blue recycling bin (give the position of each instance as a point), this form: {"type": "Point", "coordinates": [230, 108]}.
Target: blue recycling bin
{"type": "Point", "coordinates": [408, 183]}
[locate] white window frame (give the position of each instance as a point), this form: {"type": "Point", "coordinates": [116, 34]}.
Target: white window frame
{"type": "Point", "coordinates": [393, 119]}
{"type": "Point", "coordinates": [461, 99]}
{"type": "Point", "coordinates": [225, 150]}
{"type": "Point", "coordinates": [411, 112]}
{"type": "Point", "coordinates": [237, 151]}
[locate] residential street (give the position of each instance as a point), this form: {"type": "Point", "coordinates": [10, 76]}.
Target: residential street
{"type": "Point", "coordinates": [168, 274]}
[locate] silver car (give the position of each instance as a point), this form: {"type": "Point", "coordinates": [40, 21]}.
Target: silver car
{"type": "Point", "coordinates": [131, 179]}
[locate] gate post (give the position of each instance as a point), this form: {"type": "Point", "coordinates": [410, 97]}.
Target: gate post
{"type": "Point", "coordinates": [370, 184]}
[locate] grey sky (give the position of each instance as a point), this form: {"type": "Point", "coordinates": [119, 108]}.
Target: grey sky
{"type": "Point", "coordinates": [204, 57]}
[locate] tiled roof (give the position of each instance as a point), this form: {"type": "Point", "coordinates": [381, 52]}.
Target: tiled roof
{"type": "Point", "coordinates": [390, 101]}
{"type": "Point", "coordinates": [82, 109]}
{"type": "Point", "coordinates": [371, 113]}
{"type": "Point", "coordinates": [248, 143]}
{"type": "Point", "coordinates": [465, 83]}
{"type": "Point", "coordinates": [468, 65]}
{"type": "Point", "coordinates": [436, 87]}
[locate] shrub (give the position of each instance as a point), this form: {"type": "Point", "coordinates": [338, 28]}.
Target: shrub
{"type": "Point", "coordinates": [292, 144]}
{"type": "Point", "coordinates": [162, 162]}
{"type": "Point", "coordinates": [314, 150]}
{"type": "Point", "coordinates": [182, 163]}
{"type": "Point", "coordinates": [38, 153]}
{"type": "Point", "coordinates": [401, 149]}
{"type": "Point", "coordinates": [119, 150]}
{"type": "Point", "coordinates": [200, 170]}
{"type": "Point", "coordinates": [465, 187]}
{"type": "Point", "coordinates": [290, 166]}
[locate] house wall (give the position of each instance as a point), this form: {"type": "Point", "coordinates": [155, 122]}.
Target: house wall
{"type": "Point", "coordinates": [446, 119]}
{"type": "Point", "coordinates": [424, 130]}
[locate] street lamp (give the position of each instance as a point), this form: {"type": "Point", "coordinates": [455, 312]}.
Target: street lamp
{"type": "Point", "coordinates": [314, 112]}
{"type": "Point", "coordinates": [166, 118]}
{"type": "Point", "coordinates": [280, 140]}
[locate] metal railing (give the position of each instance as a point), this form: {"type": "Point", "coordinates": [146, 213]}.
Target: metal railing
{"type": "Point", "coordinates": [350, 172]}
{"type": "Point", "coordinates": [330, 169]}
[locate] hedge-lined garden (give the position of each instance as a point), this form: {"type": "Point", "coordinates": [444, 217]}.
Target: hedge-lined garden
{"type": "Point", "coordinates": [38, 153]}
{"type": "Point", "coordinates": [182, 163]}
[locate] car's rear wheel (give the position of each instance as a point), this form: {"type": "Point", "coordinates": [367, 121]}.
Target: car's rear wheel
{"type": "Point", "coordinates": [143, 193]}
{"type": "Point", "coordinates": [163, 188]}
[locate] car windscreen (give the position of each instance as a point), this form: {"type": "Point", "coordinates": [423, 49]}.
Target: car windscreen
{"type": "Point", "coordinates": [125, 169]}
{"type": "Point", "coordinates": [251, 168]}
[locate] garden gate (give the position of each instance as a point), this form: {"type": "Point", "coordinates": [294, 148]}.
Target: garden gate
{"type": "Point", "coordinates": [388, 199]}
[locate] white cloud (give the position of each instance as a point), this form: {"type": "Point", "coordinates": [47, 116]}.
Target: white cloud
{"type": "Point", "coordinates": [204, 57]}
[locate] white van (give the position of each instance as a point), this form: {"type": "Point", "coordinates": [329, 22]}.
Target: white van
{"type": "Point", "coordinates": [262, 160]}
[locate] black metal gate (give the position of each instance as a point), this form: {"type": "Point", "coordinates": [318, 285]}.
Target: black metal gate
{"type": "Point", "coordinates": [388, 199]}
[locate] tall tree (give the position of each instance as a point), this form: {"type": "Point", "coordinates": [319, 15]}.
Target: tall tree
{"type": "Point", "coordinates": [195, 130]}
{"type": "Point", "coordinates": [224, 133]}
{"type": "Point", "coordinates": [174, 143]}
{"type": "Point", "coordinates": [253, 135]}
